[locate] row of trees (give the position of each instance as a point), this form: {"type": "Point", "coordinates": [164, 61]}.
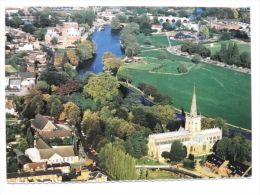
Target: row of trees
{"type": "Point", "coordinates": [234, 149]}
{"type": "Point", "coordinates": [117, 163]}
{"type": "Point", "coordinates": [129, 40]}
{"type": "Point", "coordinates": [84, 51]}
{"type": "Point", "coordinates": [193, 48]}
{"type": "Point", "coordinates": [231, 55]}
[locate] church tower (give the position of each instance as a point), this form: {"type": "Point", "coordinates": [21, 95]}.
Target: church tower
{"type": "Point", "coordinates": [193, 122]}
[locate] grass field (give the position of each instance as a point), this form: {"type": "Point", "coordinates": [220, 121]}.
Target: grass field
{"type": "Point", "coordinates": [158, 174]}
{"type": "Point", "coordinates": [220, 92]}
{"type": "Point", "coordinates": [243, 46]}
{"type": "Point", "coordinates": [158, 40]}
{"type": "Point", "coordinates": [147, 161]}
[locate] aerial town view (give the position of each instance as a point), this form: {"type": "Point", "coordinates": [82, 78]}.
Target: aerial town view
{"type": "Point", "coordinates": [96, 94]}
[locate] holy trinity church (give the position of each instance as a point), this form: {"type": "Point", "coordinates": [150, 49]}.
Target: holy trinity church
{"type": "Point", "coordinates": [198, 142]}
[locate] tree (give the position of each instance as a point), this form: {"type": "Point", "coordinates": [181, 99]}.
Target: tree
{"type": "Point", "coordinates": [29, 137]}
{"type": "Point", "coordinates": [23, 144]}
{"type": "Point", "coordinates": [28, 28]}
{"type": "Point", "coordinates": [42, 86]}
{"type": "Point", "coordinates": [178, 23]}
{"type": "Point", "coordinates": [234, 149]}
{"type": "Point", "coordinates": [135, 145]}
{"type": "Point", "coordinates": [68, 88]}
{"type": "Point", "coordinates": [182, 68]}
{"type": "Point", "coordinates": [91, 125]}
{"type": "Point", "coordinates": [115, 24]}
{"type": "Point", "coordinates": [70, 70]}
{"type": "Point", "coordinates": [71, 113]}
{"type": "Point", "coordinates": [150, 90]}
{"type": "Point", "coordinates": [245, 59]}
{"type": "Point", "coordinates": [188, 163]}
{"type": "Point", "coordinates": [178, 152]}
{"type": "Point", "coordinates": [204, 32]}
{"type": "Point", "coordinates": [85, 16]}
{"type": "Point", "coordinates": [85, 50]}
{"type": "Point", "coordinates": [196, 59]}
{"type": "Point", "coordinates": [122, 17]}
{"type": "Point", "coordinates": [54, 41]}
{"type": "Point", "coordinates": [54, 78]}
{"type": "Point", "coordinates": [36, 106]}
{"type": "Point", "coordinates": [15, 22]}
{"type": "Point", "coordinates": [164, 113]}
{"type": "Point", "coordinates": [119, 165]}
{"type": "Point", "coordinates": [102, 88]}
{"type": "Point", "coordinates": [72, 57]}
{"type": "Point", "coordinates": [111, 63]}
{"type": "Point", "coordinates": [144, 23]}
{"type": "Point", "coordinates": [54, 106]}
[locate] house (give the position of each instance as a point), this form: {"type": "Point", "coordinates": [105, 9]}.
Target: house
{"type": "Point", "coordinates": [237, 169]}
{"type": "Point", "coordinates": [66, 33]}
{"type": "Point", "coordinates": [9, 107]}
{"type": "Point", "coordinates": [56, 154]}
{"type": "Point", "coordinates": [157, 27]}
{"type": "Point", "coordinates": [37, 176]}
{"type": "Point", "coordinates": [34, 166]}
{"type": "Point", "coordinates": [197, 141]}
{"type": "Point", "coordinates": [227, 168]}
{"type": "Point", "coordinates": [15, 83]}
{"type": "Point", "coordinates": [28, 79]}
{"type": "Point", "coordinates": [26, 47]}
{"type": "Point", "coordinates": [97, 176]}
{"type": "Point", "coordinates": [216, 164]}
{"type": "Point", "coordinates": [64, 167]}
{"type": "Point", "coordinates": [41, 123]}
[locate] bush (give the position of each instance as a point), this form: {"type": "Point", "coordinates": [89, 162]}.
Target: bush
{"type": "Point", "coordinates": [196, 59]}
{"type": "Point", "coordinates": [147, 41]}
{"type": "Point", "coordinates": [42, 86]}
{"type": "Point", "coordinates": [162, 56]}
{"type": "Point", "coordinates": [182, 68]}
{"type": "Point", "coordinates": [187, 163]}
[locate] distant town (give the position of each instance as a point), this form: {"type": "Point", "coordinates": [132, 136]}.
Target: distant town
{"type": "Point", "coordinates": [96, 94]}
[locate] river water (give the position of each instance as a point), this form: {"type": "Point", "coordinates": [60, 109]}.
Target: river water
{"type": "Point", "coordinates": [105, 40]}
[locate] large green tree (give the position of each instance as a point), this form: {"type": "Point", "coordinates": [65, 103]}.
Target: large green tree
{"type": "Point", "coordinates": [71, 113]}
{"type": "Point", "coordinates": [102, 88]}
{"type": "Point", "coordinates": [177, 153]}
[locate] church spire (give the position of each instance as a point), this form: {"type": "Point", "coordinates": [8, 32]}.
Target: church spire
{"type": "Point", "coordinates": [193, 109]}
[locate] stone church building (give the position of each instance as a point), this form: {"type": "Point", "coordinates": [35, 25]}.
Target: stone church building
{"type": "Point", "coordinates": [198, 142]}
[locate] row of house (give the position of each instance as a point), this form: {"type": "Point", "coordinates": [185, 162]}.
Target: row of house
{"type": "Point", "coordinates": [227, 168]}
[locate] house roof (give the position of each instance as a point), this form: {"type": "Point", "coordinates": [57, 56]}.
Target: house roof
{"type": "Point", "coordinates": [23, 159]}
{"type": "Point", "coordinates": [39, 122]}
{"type": "Point", "coordinates": [55, 134]}
{"type": "Point", "coordinates": [15, 81]}
{"type": "Point", "coordinates": [27, 75]}
{"type": "Point", "coordinates": [237, 168]}
{"type": "Point", "coordinates": [58, 165]}
{"type": "Point", "coordinates": [63, 151]}
{"type": "Point", "coordinates": [36, 173]}
{"type": "Point", "coordinates": [213, 159]}
{"type": "Point", "coordinates": [37, 165]}
{"type": "Point", "coordinates": [40, 144]}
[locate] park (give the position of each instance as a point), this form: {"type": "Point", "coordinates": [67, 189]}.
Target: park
{"type": "Point", "coordinates": [221, 92]}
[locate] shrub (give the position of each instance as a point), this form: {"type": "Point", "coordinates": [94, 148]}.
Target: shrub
{"type": "Point", "coordinates": [182, 68]}
{"type": "Point", "coordinates": [196, 59]}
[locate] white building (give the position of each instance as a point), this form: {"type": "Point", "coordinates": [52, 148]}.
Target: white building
{"type": "Point", "coordinates": [56, 154]}
{"type": "Point", "coordinates": [198, 142]}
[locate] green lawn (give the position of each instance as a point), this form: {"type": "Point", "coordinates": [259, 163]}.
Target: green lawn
{"type": "Point", "coordinates": [147, 161]}
{"type": "Point", "coordinates": [220, 92]}
{"type": "Point", "coordinates": [158, 41]}
{"type": "Point", "coordinates": [243, 46]}
{"type": "Point", "coordinates": [158, 174]}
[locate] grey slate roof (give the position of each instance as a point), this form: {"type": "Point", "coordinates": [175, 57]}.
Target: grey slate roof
{"type": "Point", "coordinates": [39, 122]}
